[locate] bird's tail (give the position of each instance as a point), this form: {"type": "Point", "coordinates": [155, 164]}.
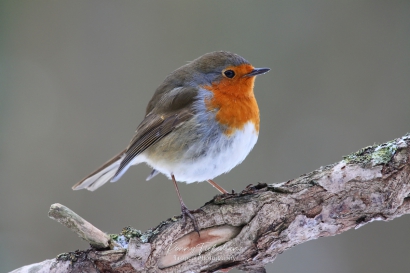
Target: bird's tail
{"type": "Point", "coordinates": [102, 175]}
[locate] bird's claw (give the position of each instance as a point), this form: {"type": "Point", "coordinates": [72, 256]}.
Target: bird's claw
{"type": "Point", "coordinates": [186, 212]}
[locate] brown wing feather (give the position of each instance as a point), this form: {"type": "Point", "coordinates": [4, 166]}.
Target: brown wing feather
{"type": "Point", "coordinates": [154, 128]}
{"type": "Point", "coordinates": [169, 107]}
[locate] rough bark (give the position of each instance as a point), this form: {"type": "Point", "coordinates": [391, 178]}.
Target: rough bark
{"type": "Point", "coordinates": [249, 229]}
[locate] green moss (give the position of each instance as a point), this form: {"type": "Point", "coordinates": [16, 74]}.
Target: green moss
{"type": "Point", "coordinates": [383, 153]}
{"type": "Point", "coordinates": [373, 155]}
{"type": "Point", "coordinates": [149, 233]}
{"type": "Point", "coordinates": [362, 156]}
{"type": "Point", "coordinates": [128, 233]}
{"type": "Point", "coordinates": [70, 256]}
{"type": "Point", "coordinates": [113, 236]}
{"type": "Point", "coordinates": [145, 237]}
{"type": "Point", "coordinates": [131, 232]}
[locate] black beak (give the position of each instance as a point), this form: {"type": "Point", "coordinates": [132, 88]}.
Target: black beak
{"type": "Point", "coordinates": [257, 71]}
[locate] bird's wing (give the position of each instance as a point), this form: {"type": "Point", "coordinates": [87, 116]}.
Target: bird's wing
{"type": "Point", "coordinates": [170, 112]}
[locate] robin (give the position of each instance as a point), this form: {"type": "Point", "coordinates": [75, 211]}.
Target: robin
{"type": "Point", "coordinates": [202, 121]}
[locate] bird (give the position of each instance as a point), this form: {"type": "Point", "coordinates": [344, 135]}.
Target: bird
{"type": "Point", "coordinates": [201, 122]}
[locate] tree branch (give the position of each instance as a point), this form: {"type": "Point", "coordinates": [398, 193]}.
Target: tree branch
{"type": "Point", "coordinates": [249, 229]}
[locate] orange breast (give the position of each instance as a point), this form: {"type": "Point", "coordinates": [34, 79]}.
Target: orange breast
{"type": "Point", "coordinates": [234, 100]}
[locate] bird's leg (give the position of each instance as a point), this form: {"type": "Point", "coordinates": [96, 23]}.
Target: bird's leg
{"type": "Point", "coordinates": [216, 186]}
{"type": "Point", "coordinates": [185, 211]}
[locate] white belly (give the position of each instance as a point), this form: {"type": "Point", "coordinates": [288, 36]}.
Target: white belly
{"type": "Point", "coordinates": [224, 154]}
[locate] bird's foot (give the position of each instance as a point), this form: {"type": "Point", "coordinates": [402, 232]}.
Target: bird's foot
{"type": "Point", "coordinates": [188, 213]}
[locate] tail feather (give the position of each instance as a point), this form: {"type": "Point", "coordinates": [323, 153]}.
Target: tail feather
{"type": "Point", "coordinates": [102, 175]}
{"type": "Point", "coordinates": [153, 173]}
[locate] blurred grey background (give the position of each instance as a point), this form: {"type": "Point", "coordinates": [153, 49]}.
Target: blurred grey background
{"type": "Point", "coordinates": [75, 77]}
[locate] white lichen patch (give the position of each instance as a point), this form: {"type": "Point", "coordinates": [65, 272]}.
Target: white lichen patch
{"type": "Point", "coordinates": [343, 173]}
{"type": "Point", "coordinates": [305, 229]}
{"type": "Point", "coordinates": [122, 241]}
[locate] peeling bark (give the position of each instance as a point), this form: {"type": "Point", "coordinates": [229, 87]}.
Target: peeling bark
{"type": "Point", "coordinates": [264, 220]}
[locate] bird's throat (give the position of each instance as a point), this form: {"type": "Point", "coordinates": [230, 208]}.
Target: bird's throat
{"type": "Point", "coordinates": [235, 105]}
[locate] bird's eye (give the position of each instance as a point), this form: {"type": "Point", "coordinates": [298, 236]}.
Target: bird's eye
{"type": "Point", "coordinates": [229, 74]}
